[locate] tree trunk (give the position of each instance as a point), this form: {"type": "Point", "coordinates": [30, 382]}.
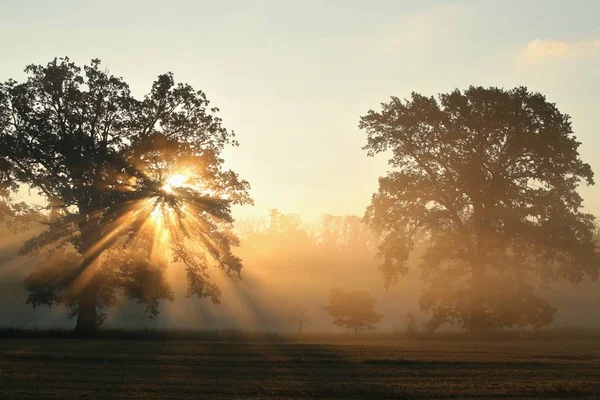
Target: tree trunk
{"type": "Point", "coordinates": [88, 314]}
{"type": "Point", "coordinates": [87, 317]}
{"type": "Point", "coordinates": [477, 310]}
{"type": "Point", "coordinates": [477, 316]}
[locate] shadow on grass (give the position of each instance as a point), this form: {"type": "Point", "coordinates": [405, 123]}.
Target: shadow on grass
{"type": "Point", "coordinates": [221, 364]}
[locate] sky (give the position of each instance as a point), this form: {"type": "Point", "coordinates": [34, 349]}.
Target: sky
{"type": "Point", "coordinates": [293, 78]}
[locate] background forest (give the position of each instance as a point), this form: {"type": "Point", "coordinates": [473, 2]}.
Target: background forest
{"type": "Point", "coordinates": [288, 263]}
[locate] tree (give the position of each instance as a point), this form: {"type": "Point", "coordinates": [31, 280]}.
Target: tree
{"type": "Point", "coordinates": [489, 178]}
{"type": "Point", "coordinates": [346, 232]}
{"type": "Point", "coordinates": [129, 185]}
{"type": "Point", "coordinates": [298, 317]}
{"type": "Point", "coordinates": [410, 321]}
{"type": "Point", "coordinates": [352, 309]}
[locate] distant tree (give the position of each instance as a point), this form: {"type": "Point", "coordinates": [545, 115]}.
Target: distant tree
{"type": "Point", "coordinates": [346, 232]}
{"type": "Point", "coordinates": [352, 309]}
{"type": "Point", "coordinates": [294, 260]}
{"type": "Point", "coordinates": [410, 322]}
{"type": "Point", "coordinates": [489, 178]}
{"type": "Point", "coordinates": [298, 317]}
{"type": "Point", "coordinates": [285, 224]}
{"type": "Point", "coordinates": [129, 185]}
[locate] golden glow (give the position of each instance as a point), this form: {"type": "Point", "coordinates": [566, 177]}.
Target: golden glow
{"type": "Point", "coordinates": [174, 181]}
{"type": "Point", "coordinates": [158, 221]}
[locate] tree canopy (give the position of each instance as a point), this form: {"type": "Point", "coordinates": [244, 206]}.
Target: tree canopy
{"type": "Point", "coordinates": [489, 177]}
{"type": "Point", "coordinates": [352, 309]}
{"type": "Point", "coordinates": [127, 185]}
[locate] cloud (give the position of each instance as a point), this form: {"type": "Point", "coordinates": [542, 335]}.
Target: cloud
{"type": "Point", "coordinates": [541, 49]}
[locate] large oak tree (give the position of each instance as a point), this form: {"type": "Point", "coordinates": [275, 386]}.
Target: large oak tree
{"type": "Point", "coordinates": [488, 178]}
{"type": "Point", "coordinates": [128, 186]}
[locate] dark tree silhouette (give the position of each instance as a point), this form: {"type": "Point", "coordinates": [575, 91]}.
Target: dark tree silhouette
{"type": "Point", "coordinates": [129, 185]}
{"type": "Point", "coordinates": [489, 177]}
{"type": "Point", "coordinates": [353, 309]}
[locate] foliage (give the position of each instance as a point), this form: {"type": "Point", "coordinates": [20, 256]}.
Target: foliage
{"type": "Point", "coordinates": [489, 178]}
{"type": "Point", "coordinates": [101, 160]}
{"type": "Point", "coordinates": [352, 309]}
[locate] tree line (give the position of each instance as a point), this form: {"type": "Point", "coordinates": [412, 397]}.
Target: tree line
{"type": "Point", "coordinates": [484, 180]}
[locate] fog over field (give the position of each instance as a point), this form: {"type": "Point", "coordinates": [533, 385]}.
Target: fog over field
{"type": "Point", "coordinates": [281, 270]}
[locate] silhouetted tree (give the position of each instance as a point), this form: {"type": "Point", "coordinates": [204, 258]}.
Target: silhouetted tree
{"type": "Point", "coordinates": [352, 309]}
{"type": "Point", "coordinates": [489, 177]}
{"type": "Point", "coordinates": [298, 317]}
{"type": "Point", "coordinates": [105, 164]}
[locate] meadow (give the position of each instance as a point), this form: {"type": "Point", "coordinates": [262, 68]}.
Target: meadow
{"type": "Point", "coordinates": [275, 366]}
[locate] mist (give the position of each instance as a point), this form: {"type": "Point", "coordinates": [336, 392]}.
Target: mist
{"type": "Point", "coordinates": [288, 262]}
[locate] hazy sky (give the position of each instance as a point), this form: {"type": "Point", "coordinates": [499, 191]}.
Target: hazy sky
{"type": "Point", "coordinates": [293, 77]}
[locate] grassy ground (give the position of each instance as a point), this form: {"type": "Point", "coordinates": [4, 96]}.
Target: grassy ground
{"type": "Point", "coordinates": [562, 334]}
{"type": "Point", "coordinates": [255, 369]}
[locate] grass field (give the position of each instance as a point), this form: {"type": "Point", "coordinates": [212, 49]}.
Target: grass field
{"type": "Point", "coordinates": [72, 368]}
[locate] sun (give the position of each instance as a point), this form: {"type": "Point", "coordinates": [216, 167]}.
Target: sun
{"type": "Point", "coordinates": [174, 181]}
